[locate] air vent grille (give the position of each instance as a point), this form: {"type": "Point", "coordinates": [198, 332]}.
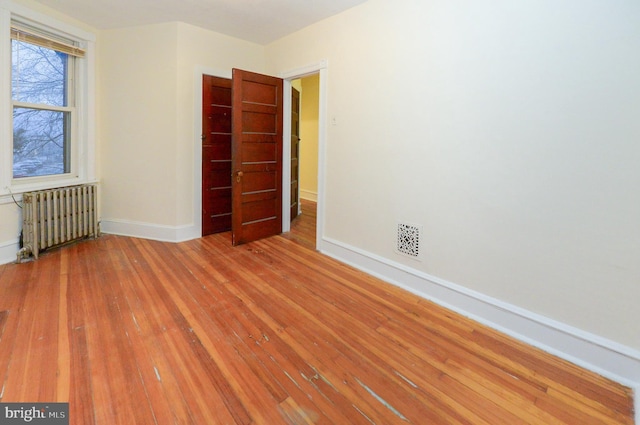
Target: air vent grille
{"type": "Point", "coordinates": [408, 240]}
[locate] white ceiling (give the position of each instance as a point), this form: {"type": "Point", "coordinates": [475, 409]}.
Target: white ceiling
{"type": "Point", "coordinates": [259, 21]}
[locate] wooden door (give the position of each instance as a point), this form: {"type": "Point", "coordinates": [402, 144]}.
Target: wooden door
{"type": "Point", "coordinates": [295, 153]}
{"type": "Point", "coordinates": [216, 155]}
{"type": "Point", "coordinates": [256, 156]}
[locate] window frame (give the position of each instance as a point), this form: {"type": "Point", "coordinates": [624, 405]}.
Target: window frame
{"type": "Point", "coordinates": [82, 150]}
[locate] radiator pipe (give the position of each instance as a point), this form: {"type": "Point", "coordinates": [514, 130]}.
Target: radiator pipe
{"type": "Point", "coordinates": [22, 254]}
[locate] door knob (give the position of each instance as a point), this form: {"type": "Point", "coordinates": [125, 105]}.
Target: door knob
{"type": "Point", "coordinates": [239, 175]}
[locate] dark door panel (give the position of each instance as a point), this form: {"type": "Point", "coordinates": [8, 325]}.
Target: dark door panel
{"type": "Point", "coordinates": [257, 156]}
{"type": "Point", "coordinates": [216, 155]}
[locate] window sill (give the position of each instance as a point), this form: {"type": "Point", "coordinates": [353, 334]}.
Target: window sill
{"type": "Point", "coordinates": [7, 195]}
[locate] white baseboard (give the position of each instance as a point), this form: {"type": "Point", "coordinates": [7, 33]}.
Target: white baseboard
{"type": "Point", "coordinates": [149, 230]}
{"type": "Point", "coordinates": [607, 358]}
{"type": "Point", "coordinates": [308, 195]}
{"type": "Point", "coordinates": [8, 251]}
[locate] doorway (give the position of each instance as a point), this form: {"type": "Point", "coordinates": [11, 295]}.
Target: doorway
{"type": "Point", "coordinates": [319, 69]}
{"type": "Point", "coordinates": [306, 89]}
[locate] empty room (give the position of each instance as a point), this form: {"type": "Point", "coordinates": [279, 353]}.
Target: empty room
{"type": "Point", "coordinates": [329, 212]}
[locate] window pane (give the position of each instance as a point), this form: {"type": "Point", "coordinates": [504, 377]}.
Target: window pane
{"type": "Point", "coordinates": [40, 142]}
{"type": "Point", "coordinates": [38, 74]}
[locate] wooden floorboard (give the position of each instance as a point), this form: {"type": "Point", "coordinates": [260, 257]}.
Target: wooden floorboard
{"type": "Point", "coordinates": [132, 331]}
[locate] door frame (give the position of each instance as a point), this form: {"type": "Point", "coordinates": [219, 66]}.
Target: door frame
{"type": "Point", "coordinates": [320, 68]}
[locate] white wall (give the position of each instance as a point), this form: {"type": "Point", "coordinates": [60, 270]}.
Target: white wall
{"type": "Point", "coordinates": [508, 130]}
{"type": "Point", "coordinates": [148, 110]}
{"type": "Point", "coordinates": [9, 231]}
{"type": "Point", "coordinates": [138, 126]}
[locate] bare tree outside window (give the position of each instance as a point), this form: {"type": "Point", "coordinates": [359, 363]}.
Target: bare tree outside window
{"type": "Point", "coordinates": [41, 117]}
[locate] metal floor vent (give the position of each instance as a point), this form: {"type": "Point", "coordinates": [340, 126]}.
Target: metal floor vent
{"type": "Point", "coordinates": [408, 240]}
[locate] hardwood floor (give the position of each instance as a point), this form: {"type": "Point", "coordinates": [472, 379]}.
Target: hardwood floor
{"type": "Point", "coordinates": [133, 331]}
{"type": "Point", "coordinates": [303, 228]}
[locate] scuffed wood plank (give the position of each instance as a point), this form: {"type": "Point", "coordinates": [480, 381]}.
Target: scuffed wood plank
{"type": "Point", "coordinates": [63, 378]}
{"type": "Point", "coordinates": [35, 347]}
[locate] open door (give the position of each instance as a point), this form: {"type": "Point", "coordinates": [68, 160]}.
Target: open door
{"type": "Point", "coordinates": [295, 153]}
{"type": "Point", "coordinates": [216, 155]}
{"type": "Point", "coordinates": [256, 156]}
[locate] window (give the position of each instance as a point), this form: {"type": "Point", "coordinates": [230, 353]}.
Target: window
{"type": "Point", "coordinates": [42, 83]}
{"type": "Point", "coordinates": [46, 134]}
